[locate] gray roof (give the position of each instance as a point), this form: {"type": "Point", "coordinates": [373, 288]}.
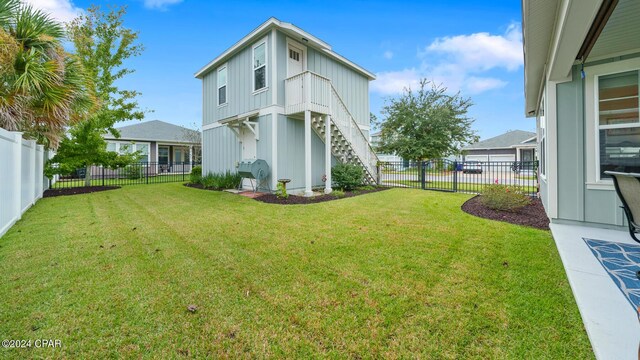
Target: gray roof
{"type": "Point", "coordinates": [156, 130]}
{"type": "Point", "coordinates": [507, 140]}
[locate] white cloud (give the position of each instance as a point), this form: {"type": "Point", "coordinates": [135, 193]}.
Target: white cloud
{"type": "Point", "coordinates": [460, 63]}
{"type": "Point", "coordinates": [62, 10]}
{"type": "Point", "coordinates": [388, 55]}
{"type": "Point", "coordinates": [482, 51]}
{"type": "Point", "coordinates": [477, 84]}
{"type": "Point", "coordinates": [394, 82]}
{"type": "Point", "coordinates": [160, 4]}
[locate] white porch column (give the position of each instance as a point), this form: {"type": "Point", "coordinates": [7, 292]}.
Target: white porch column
{"type": "Point", "coordinates": [307, 153]}
{"type": "Point", "coordinates": [327, 154]}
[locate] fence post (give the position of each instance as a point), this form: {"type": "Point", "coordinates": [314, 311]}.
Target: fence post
{"type": "Point", "coordinates": [379, 174]}
{"type": "Point", "coordinates": [39, 174]}
{"type": "Point", "coordinates": [423, 175]}
{"type": "Point", "coordinates": [102, 175]}
{"type": "Point", "coordinates": [147, 172]}
{"type": "Point", "coordinates": [17, 170]}
{"type": "Point", "coordinates": [183, 171]}
{"type": "Point", "coordinates": [455, 176]}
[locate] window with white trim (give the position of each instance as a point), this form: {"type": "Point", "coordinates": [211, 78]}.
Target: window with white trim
{"type": "Point", "coordinates": [143, 148]}
{"type": "Point", "coordinates": [542, 136]}
{"type": "Point", "coordinates": [260, 66]}
{"type": "Point", "coordinates": [111, 146]}
{"type": "Point", "coordinates": [222, 85]}
{"type": "Point", "coordinates": [122, 148]}
{"type": "Point", "coordinates": [618, 122]}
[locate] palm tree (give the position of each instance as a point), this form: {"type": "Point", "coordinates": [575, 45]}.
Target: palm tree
{"type": "Point", "coordinates": [42, 88]}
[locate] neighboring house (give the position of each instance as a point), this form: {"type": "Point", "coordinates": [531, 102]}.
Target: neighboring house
{"type": "Point", "coordinates": [587, 120]}
{"type": "Point", "coordinates": [514, 145]}
{"type": "Point", "coordinates": [375, 139]}
{"type": "Point", "coordinates": [173, 148]}
{"type": "Point", "coordinates": [284, 96]}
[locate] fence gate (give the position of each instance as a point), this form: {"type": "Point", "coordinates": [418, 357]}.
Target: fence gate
{"type": "Point", "coordinates": [459, 176]}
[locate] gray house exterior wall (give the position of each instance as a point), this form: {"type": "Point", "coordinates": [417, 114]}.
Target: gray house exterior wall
{"type": "Point", "coordinates": [576, 202]}
{"type": "Point", "coordinates": [352, 87]}
{"type": "Point", "coordinates": [240, 97]}
{"type": "Point", "coordinates": [221, 147]}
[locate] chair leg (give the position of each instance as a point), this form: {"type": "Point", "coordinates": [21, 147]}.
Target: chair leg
{"type": "Point", "coordinates": [634, 232]}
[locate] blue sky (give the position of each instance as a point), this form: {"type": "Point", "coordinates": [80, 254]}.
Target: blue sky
{"type": "Point", "coordinates": [471, 46]}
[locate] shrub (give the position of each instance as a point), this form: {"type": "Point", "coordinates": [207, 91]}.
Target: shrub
{"type": "Point", "coordinates": [347, 176]}
{"type": "Point", "coordinates": [196, 175]}
{"type": "Point", "coordinates": [221, 181]}
{"type": "Point", "coordinates": [504, 197]}
{"type": "Point", "coordinates": [366, 188]}
{"type": "Point", "coordinates": [133, 172]}
{"type": "Point", "coordinates": [281, 191]}
{"type": "Point", "coordinates": [337, 193]}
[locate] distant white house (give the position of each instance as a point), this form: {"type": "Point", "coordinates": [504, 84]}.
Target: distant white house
{"type": "Point", "coordinates": [514, 145]}
{"type": "Point", "coordinates": [375, 140]}
{"type": "Point", "coordinates": [158, 142]}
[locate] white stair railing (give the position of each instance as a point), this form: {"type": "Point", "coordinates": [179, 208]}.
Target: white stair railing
{"type": "Point", "coordinates": [310, 91]}
{"type": "Point", "coordinates": [347, 125]}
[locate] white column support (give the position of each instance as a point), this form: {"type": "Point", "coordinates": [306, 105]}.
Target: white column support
{"type": "Point", "coordinates": [327, 154]}
{"type": "Point", "coordinates": [274, 150]}
{"type": "Point", "coordinates": [307, 154]}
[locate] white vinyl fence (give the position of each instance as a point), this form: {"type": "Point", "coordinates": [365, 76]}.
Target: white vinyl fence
{"type": "Point", "coordinates": [22, 180]}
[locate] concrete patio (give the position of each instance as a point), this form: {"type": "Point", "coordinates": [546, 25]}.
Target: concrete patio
{"type": "Point", "coordinates": [610, 320]}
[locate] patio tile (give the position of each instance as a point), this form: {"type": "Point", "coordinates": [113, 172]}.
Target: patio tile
{"type": "Point", "coordinates": [611, 323]}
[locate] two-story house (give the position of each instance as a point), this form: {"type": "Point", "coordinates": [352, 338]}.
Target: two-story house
{"type": "Point", "coordinates": [284, 96]}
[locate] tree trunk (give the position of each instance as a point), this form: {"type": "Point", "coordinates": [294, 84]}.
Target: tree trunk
{"type": "Point", "coordinates": [87, 176]}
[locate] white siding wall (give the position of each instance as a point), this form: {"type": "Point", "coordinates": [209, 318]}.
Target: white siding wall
{"type": "Point", "coordinates": [21, 177]}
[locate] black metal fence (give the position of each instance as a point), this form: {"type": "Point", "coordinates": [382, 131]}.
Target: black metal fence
{"type": "Point", "coordinates": [459, 176]}
{"type": "Point", "coordinates": [139, 173]}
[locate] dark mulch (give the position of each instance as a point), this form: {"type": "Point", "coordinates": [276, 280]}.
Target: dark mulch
{"type": "Point", "coordinates": [532, 215]}
{"type": "Point", "coordinates": [296, 200]}
{"type": "Point", "coordinates": [77, 190]}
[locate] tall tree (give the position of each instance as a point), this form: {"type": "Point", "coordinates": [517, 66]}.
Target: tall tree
{"type": "Point", "coordinates": [102, 44]}
{"type": "Point", "coordinates": [42, 88]}
{"type": "Point", "coordinates": [426, 124]}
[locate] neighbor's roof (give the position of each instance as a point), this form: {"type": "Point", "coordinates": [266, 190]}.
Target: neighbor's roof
{"type": "Point", "coordinates": [505, 141]}
{"type": "Point", "coordinates": [291, 31]}
{"type": "Point", "coordinates": [156, 130]}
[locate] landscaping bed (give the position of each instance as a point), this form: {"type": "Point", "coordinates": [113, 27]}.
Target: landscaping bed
{"type": "Point", "coordinates": [532, 215]}
{"type": "Point", "coordinates": [298, 200]}
{"type": "Point", "coordinates": [77, 190]}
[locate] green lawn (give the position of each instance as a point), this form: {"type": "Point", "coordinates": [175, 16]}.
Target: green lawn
{"type": "Point", "coordinates": [399, 274]}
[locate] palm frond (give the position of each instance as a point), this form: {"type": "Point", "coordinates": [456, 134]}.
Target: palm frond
{"type": "Point", "coordinates": [8, 10]}
{"type": "Point", "coordinates": [36, 29]}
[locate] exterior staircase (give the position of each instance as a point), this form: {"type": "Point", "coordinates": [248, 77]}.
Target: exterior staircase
{"type": "Point", "coordinates": [316, 93]}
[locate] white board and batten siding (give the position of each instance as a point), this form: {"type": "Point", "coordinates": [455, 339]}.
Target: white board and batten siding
{"type": "Point", "coordinates": [21, 176]}
{"type": "Point", "coordinates": [240, 95]}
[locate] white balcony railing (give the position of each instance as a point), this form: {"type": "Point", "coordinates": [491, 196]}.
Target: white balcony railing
{"type": "Point", "coordinates": [313, 92]}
